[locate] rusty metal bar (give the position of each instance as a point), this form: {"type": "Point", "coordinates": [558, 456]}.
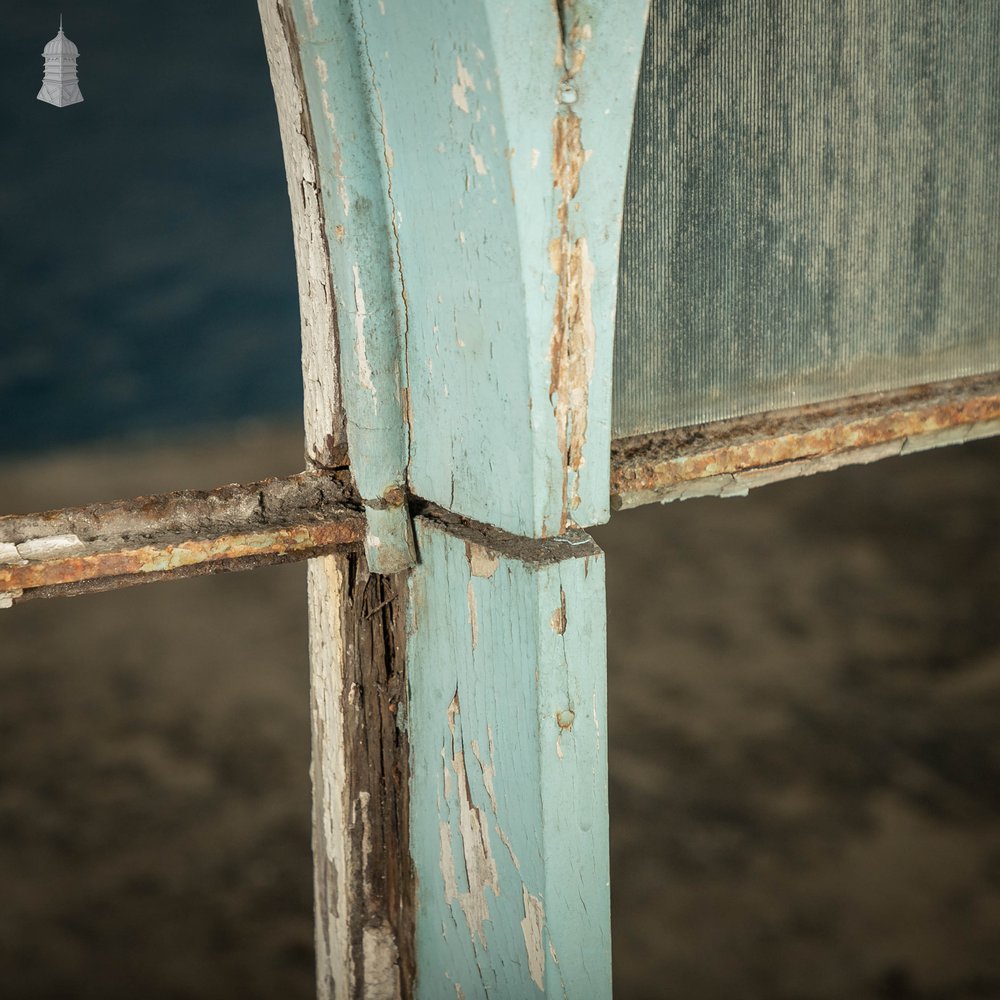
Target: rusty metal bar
{"type": "Point", "coordinates": [109, 545]}
{"type": "Point", "coordinates": [730, 457]}
{"type": "Point", "coordinates": [125, 542]}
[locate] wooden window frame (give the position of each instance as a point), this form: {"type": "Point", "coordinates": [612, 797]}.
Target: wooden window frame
{"type": "Point", "coordinates": [456, 606]}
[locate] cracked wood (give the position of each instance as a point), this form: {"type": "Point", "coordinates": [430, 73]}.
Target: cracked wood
{"type": "Point", "coordinates": [508, 804]}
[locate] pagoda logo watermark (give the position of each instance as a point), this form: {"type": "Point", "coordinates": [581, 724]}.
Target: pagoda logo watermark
{"type": "Point", "coordinates": [59, 84]}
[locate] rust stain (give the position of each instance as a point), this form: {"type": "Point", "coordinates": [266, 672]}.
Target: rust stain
{"type": "Point", "coordinates": [573, 340]}
{"type": "Point", "coordinates": [148, 559]}
{"type": "Point", "coordinates": [394, 496]}
{"type": "Point", "coordinates": [124, 541]}
{"type": "Point", "coordinates": [830, 433]}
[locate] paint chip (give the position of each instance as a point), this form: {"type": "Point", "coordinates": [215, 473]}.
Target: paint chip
{"type": "Point", "coordinates": [558, 619]}
{"type": "Point", "coordinates": [482, 562]}
{"type": "Point", "coordinates": [471, 595]}
{"type": "Point", "coordinates": [531, 928]}
{"type": "Point", "coordinates": [477, 160]}
{"type": "Point", "coordinates": [9, 554]}
{"type": "Point", "coordinates": [464, 84]}
{"type": "Point", "coordinates": [364, 368]}
{"type": "Point", "coordinates": [51, 547]}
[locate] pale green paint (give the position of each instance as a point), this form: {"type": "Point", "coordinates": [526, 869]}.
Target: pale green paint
{"type": "Point", "coordinates": [437, 158]}
{"type": "Point", "coordinates": [371, 316]}
{"type": "Point", "coordinates": [508, 809]}
{"type": "Point", "coordinates": [435, 126]}
{"type": "Point", "coordinates": [476, 212]}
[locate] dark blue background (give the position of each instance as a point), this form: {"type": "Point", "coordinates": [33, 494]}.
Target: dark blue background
{"type": "Point", "coordinates": [147, 276]}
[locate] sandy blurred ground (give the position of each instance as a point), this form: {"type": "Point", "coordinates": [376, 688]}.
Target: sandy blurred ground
{"type": "Point", "coordinates": [805, 709]}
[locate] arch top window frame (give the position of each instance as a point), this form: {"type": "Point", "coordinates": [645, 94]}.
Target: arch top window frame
{"type": "Point", "coordinates": [456, 185]}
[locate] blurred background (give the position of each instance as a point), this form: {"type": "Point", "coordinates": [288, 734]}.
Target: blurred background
{"type": "Point", "coordinates": [804, 684]}
{"type": "Point", "coordinates": [146, 265]}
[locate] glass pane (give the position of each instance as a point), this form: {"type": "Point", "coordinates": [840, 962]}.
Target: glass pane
{"type": "Point", "coordinates": [811, 208]}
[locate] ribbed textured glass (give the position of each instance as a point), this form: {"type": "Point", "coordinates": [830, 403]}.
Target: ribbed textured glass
{"type": "Point", "coordinates": [812, 208]}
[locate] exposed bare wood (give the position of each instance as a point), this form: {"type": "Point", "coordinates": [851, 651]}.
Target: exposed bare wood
{"type": "Point", "coordinates": [363, 877]}
{"type": "Point", "coordinates": [326, 437]}
{"type": "Point", "coordinates": [730, 457]}
{"type": "Point", "coordinates": [124, 542]}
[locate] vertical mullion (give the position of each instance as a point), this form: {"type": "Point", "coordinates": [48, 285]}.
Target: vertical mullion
{"type": "Point", "coordinates": [507, 726]}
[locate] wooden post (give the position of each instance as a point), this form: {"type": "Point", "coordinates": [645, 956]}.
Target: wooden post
{"type": "Point", "coordinates": [507, 728]}
{"type": "Point", "coordinates": [471, 164]}
{"type": "Point", "coordinates": [360, 771]}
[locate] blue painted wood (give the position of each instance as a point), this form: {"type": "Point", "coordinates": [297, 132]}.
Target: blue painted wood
{"type": "Point", "coordinates": [507, 188]}
{"type": "Point", "coordinates": [472, 158]}
{"type": "Point", "coordinates": [354, 164]}
{"type": "Point", "coordinates": [473, 162]}
{"type": "Point", "coordinates": [508, 805]}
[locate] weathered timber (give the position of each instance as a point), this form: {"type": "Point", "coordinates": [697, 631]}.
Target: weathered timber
{"type": "Point", "coordinates": [125, 542]}
{"type": "Point", "coordinates": [362, 891]}
{"type": "Point", "coordinates": [339, 96]}
{"type": "Point", "coordinates": [524, 129]}
{"type": "Point", "coordinates": [363, 875]}
{"type": "Point", "coordinates": [730, 457]}
{"type": "Point", "coordinates": [488, 396]}
{"type": "Point", "coordinates": [507, 729]}
{"type": "Point", "coordinates": [323, 412]}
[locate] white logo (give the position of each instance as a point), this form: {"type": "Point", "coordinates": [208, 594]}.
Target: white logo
{"type": "Point", "coordinates": [59, 85]}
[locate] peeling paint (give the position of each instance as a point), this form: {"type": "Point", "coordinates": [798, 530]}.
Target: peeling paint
{"type": "Point", "coordinates": [728, 457]}
{"type": "Point", "coordinates": [536, 155]}
{"type": "Point", "coordinates": [489, 772]}
{"type": "Point", "coordinates": [9, 554]}
{"type": "Point", "coordinates": [462, 86]}
{"type": "Point", "coordinates": [381, 963]}
{"type": "Point", "coordinates": [236, 526]}
{"type": "Point", "coordinates": [365, 375]}
{"type": "Point", "coordinates": [558, 619]}
{"type": "Point", "coordinates": [473, 623]}
{"type": "Point", "coordinates": [477, 855]}
{"type": "Point", "coordinates": [7, 598]}
{"type": "Point", "coordinates": [326, 441]}
{"type": "Point", "coordinates": [482, 561]}
{"type": "Point", "coordinates": [338, 168]}
{"type": "Point", "coordinates": [574, 338]}
{"type": "Point", "coordinates": [477, 160]}
{"type": "Point", "coordinates": [532, 927]}
{"type": "Point", "coordinates": [50, 547]}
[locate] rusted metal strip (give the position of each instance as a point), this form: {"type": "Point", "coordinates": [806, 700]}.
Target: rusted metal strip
{"type": "Point", "coordinates": [125, 542]}
{"type": "Point", "coordinates": [730, 457]}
